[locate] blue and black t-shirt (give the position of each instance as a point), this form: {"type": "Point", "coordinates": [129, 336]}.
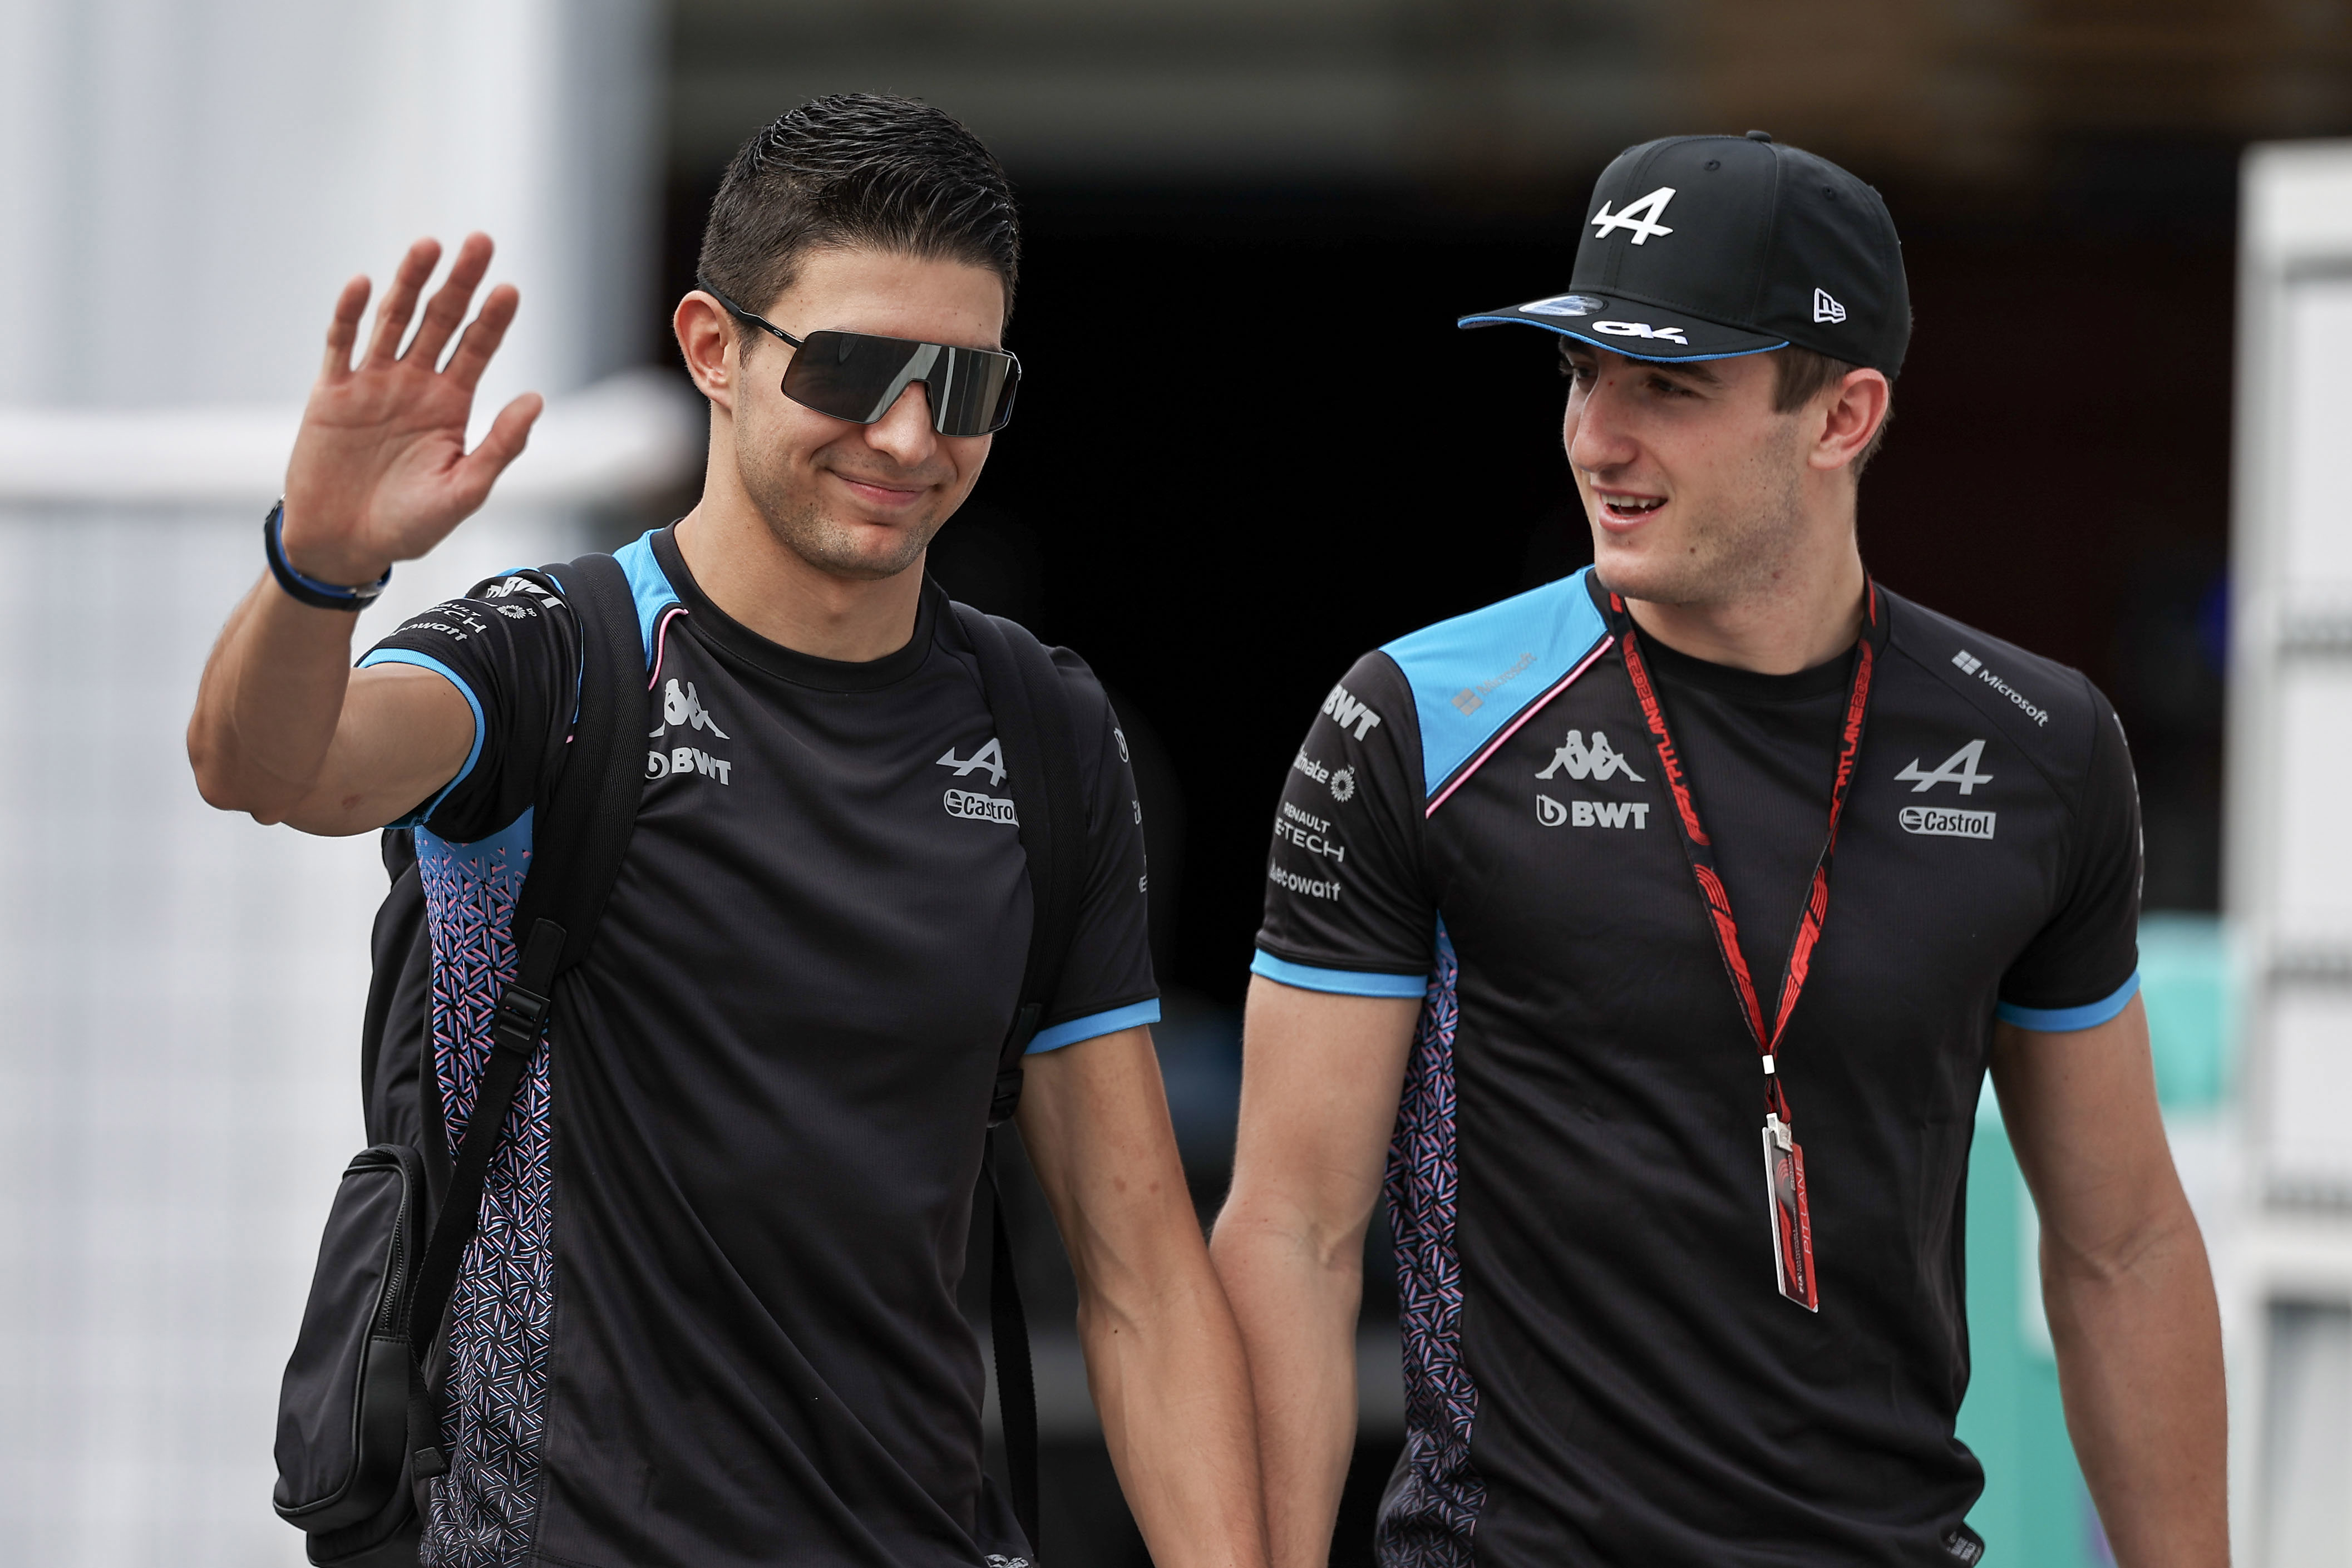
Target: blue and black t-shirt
{"type": "Point", "coordinates": [710, 1318]}
{"type": "Point", "coordinates": [1599, 1366]}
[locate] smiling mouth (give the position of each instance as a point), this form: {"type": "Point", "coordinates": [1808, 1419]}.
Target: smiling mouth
{"type": "Point", "coordinates": [1630, 509]}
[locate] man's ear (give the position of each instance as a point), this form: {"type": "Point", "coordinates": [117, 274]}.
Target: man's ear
{"type": "Point", "coordinates": [707, 340]}
{"type": "Point", "coordinates": [1852, 413]}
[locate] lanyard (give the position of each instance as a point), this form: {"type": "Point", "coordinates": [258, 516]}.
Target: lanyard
{"type": "Point", "coordinates": [1784, 1162]}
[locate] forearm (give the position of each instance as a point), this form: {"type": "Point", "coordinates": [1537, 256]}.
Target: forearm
{"type": "Point", "coordinates": [1297, 1303]}
{"type": "Point", "coordinates": [1172, 1383]}
{"type": "Point", "coordinates": [2139, 1365]}
{"type": "Point", "coordinates": [269, 702]}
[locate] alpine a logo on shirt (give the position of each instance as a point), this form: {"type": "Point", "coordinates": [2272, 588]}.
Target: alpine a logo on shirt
{"type": "Point", "coordinates": [682, 706]}
{"type": "Point", "coordinates": [1959, 768]}
{"type": "Point", "coordinates": [991, 756]}
{"type": "Point", "coordinates": [1599, 763]}
{"type": "Point", "coordinates": [1349, 713]}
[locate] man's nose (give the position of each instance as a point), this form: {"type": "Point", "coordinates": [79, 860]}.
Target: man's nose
{"type": "Point", "coordinates": [1595, 432]}
{"type": "Point", "coordinates": [905, 433]}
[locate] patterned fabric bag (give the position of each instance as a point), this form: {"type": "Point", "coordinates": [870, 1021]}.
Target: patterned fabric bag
{"type": "Point", "coordinates": [359, 1430]}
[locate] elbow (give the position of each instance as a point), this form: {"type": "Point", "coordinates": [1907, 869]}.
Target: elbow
{"type": "Point", "coordinates": [221, 783]}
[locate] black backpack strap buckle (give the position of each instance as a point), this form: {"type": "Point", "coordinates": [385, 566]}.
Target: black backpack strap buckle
{"type": "Point", "coordinates": [1009, 1076]}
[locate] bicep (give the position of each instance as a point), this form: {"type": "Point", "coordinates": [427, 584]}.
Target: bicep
{"type": "Point", "coordinates": [2081, 1112]}
{"type": "Point", "coordinates": [404, 732]}
{"type": "Point", "coordinates": [1321, 1074]}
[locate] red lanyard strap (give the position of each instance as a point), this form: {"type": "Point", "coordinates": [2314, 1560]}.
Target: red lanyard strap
{"type": "Point", "coordinates": [1699, 850]}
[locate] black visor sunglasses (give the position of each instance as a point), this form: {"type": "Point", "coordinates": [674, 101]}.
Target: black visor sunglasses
{"type": "Point", "coordinates": [859, 377]}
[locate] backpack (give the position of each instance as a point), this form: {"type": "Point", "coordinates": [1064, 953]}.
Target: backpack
{"type": "Point", "coordinates": [359, 1431]}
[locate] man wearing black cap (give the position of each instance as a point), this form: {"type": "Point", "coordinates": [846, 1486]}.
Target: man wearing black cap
{"type": "Point", "coordinates": [1656, 928]}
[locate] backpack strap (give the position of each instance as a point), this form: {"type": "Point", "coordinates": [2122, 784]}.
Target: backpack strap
{"type": "Point", "coordinates": [1038, 737]}
{"type": "Point", "coordinates": [1031, 708]}
{"type": "Point", "coordinates": [581, 828]}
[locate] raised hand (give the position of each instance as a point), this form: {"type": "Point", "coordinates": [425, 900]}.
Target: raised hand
{"type": "Point", "coordinates": [380, 471]}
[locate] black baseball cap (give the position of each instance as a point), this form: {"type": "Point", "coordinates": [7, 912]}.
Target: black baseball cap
{"type": "Point", "coordinates": [1708, 246]}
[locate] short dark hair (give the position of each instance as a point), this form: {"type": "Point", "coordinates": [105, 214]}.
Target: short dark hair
{"type": "Point", "coordinates": [1799, 375]}
{"type": "Point", "coordinates": [857, 170]}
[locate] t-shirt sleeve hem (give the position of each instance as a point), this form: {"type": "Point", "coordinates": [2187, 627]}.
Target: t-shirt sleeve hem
{"type": "Point", "coordinates": [2060, 1020]}
{"type": "Point", "coordinates": [427, 661]}
{"type": "Point", "coordinates": [1094, 1024]}
{"type": "Point", "coordinates": [1338, 982]}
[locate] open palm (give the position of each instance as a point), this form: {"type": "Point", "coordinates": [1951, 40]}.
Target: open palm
{"type": "Point", "coordinates": [380, 471]}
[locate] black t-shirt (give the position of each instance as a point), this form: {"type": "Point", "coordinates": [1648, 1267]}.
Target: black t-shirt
{"type": "Point", "coordinates": [711, 1316]}
{"type": "Point", "coordinates": [1599, 1368]}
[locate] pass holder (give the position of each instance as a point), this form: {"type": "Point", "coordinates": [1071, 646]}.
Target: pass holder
{"type": "Point", "coordinates": [1792, 1221]}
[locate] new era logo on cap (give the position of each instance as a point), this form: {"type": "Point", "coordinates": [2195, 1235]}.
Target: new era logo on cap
{"type": "Point", "coordinates": [1825, 309]}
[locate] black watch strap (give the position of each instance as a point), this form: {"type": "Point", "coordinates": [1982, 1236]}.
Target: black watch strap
{"type": "Point", "coordinates": [310, 589]}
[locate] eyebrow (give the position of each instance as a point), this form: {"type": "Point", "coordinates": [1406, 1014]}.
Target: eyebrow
{"type": "Point", "coordinates": [1697, 369]}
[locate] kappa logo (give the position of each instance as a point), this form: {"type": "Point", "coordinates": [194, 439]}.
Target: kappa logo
{"type": "Point", "coordinates": [990, 757]}
{"type": "Point", "coordinates": [684, 706]}
{"type": "Point", "coordinates": [1599, 763]}
{"type": "Point", "coordinates": [1349, 713]}
{"type": "Point", "coordinates": [1959, 768]}
{"type": "Point", "coordinates": [1641, 218]}
{"type": "Point", "coordinates": [1826, 307]}
{"type": "Point", "coordinates": [1642, 330]}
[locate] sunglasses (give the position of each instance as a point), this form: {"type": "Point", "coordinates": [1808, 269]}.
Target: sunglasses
{"type": "Point", "coordinates": [859, 377]}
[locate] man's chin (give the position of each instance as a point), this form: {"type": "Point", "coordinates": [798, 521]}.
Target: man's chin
{"type": "Point", "coordinates": [863, 553]}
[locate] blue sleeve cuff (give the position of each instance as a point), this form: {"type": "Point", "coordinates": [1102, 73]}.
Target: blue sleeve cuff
{"type": "Point", "coordinates": [1094, 1024]}
{"type": "Point", "coordinates": [2059, 1020]}
{"type": "Point", "coordinates": [427, 661]}
{"type": "Point", "coordinates": [1340, 981]}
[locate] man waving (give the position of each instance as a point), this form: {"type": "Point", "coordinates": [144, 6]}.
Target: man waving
{"type": "Point", "coordinates": [710, 1316]}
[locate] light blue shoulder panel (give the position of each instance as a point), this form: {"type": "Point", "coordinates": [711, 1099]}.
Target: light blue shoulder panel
{"type": "Point", "coordinates": [1471, 675]}
{"type": "Point", "coordinates": [649, 583]}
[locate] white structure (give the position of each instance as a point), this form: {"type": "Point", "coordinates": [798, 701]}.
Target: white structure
{"type": "Point", "coordinates": [2289, 857]}
{"type": "Point", "coordinates": [182, 189]}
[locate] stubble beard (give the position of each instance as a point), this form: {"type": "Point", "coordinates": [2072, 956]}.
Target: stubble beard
{"type": "Point", "coordinates": [1735, 548]}
{"type": "Point", "coordinates": [799, 521]}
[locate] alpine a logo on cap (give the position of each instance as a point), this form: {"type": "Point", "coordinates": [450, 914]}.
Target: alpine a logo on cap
{"type": "Point", "coordinates": [1641, 218]}
{"type": "Point", "coordinates": [1642, 330]}
{"type": "Point", "coordinates": [1565, 305]}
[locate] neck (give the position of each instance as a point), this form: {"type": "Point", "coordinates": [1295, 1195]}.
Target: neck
{"type": "Point", "coordinates": [1789, 624]}
{"type": "Point", "coordinates": [745, 570]}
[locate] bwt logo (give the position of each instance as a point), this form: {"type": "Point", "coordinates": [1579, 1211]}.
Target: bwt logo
{"type": "Point", "coordinates": [975, 807]}
{"type": "Point", "coordinates": [686, 760]}
{"type": "Point", "coordinates": [1592, 813]}
{"type": "Point", "coordinates": [1349, 713]}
